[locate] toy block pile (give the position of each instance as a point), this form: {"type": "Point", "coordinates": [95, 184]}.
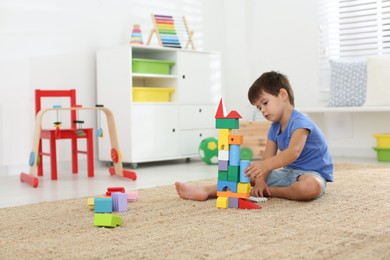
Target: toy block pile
{"type": "Point", "coordinates": [233, 186]}
{"type": "Point", "coordinates": [116, 199]}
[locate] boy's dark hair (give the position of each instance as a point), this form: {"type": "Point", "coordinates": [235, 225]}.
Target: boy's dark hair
{"type": "Point", "coordinates": [271, 83]}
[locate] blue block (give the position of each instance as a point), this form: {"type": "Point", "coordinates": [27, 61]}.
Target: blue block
{"type": "Point", "coordinates": [223, 185]}
{"type": "Point", "coordinates": [234, 155]}
{"type": "Point", "coordinates": [243, 165]}
{"type": "Point", "coordinates": [103, 205]}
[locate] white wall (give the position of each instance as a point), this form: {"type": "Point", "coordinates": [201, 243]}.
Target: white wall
{"type": "Point", "coordinates": [279, 35]}
{"type": "Point", "coordinates": [51, 45]}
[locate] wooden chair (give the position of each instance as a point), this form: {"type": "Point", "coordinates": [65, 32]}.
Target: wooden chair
{"type": "Point", "coordinates": [72, 133]}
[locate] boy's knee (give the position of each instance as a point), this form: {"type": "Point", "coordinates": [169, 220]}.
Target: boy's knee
{"type": "Point", "coordinates": [311, 189]}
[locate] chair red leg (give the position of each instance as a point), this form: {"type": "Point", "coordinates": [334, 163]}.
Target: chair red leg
{"type": "Point", "coordinates": [90, 157]}
{"type": "Point", "coordinates": [75, 166]}
{"type": "Point", "coordinates": [53, 157]}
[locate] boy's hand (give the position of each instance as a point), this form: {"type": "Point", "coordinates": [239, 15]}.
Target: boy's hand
{"type": "Point", "coordinates": [260, 189]}
{"type": "Point", "coordinates": [256, 170]}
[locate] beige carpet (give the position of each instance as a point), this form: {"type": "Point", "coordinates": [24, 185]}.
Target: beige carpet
{"type": "Point", "coordinates": [351, 221]}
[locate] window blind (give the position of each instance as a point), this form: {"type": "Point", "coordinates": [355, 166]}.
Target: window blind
{"type": "Point", "coordinates": [351, 29]}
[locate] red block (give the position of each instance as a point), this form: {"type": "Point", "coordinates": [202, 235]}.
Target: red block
{"type": "Point", "coordinates": [119, 189]}
{"type": "Point", "coordinates": [247, 204]}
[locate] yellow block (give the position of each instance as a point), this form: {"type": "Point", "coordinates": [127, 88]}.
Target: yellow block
{"type": "Point", "coordinates": [91, 203]}
{"type": "Point", "coordinates": [222, 202]}
{"type": "Point", "coordinates": [223, 139]}
{"type": "Point", "coordinates": [243, 187]}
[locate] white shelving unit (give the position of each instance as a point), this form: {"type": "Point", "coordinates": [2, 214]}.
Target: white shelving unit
{"type": "Point", "coordinates": [155, 131]}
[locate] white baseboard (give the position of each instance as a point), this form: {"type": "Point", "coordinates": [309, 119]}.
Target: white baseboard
{"type": "Point", "coordinates": [352, 152]}
{"type": "Point", "coordinates": [16, 169]}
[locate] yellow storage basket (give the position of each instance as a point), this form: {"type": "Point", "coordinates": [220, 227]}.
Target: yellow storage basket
{"type": "Point", "coordinates": [383, 140]}
{"type": "Point", "coordinates": [146, 94]}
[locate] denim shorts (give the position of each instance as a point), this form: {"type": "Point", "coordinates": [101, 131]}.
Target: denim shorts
{"type": "Point", "coordinates": [285, 177]}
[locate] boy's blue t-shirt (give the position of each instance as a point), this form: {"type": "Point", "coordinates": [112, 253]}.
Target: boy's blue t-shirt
{"type": "Point", "coordinates": [315, 155]}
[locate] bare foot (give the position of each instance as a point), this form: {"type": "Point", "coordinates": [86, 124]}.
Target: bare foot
{"type": "Point", "coordinates": [191, 192]}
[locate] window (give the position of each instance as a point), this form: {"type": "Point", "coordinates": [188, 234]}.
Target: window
{"type": "Point", "coordinates": [351, 29]}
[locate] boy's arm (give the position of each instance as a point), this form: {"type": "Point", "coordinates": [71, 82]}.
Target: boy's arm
{"type": "Point", "coordinates": [273, 161]}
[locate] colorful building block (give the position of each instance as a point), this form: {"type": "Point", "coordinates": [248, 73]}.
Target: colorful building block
{"type": "Point", "coordinates": [119, 201]}
{"type": "Point", "coordinates": [107, 220]}
{"type": "Point", "coordinates": [243, 165]}
{"type": "Point", "coordinates": [223, 165]}
{"type": "Point", "coordinates": [222, 175]}
{"type": "Point", "coordinates": [243, 187]}
{"type": "Point", "coordinates": [233, 203]}
{"type": "Point", "coordinates": [223, 155]}
{"type": "Point", "coordinates": [230, 123]}
{"type": "Point", "coordinates": [234, 154]}
{"type": "Point", "coordinates": [103, 205]}
{"type": "Point", "coordinates": [225, 185]}
{"type": "Point", "coordinates": [236, 139]}
{"type": "Point", "coordinates": [233, 173]}
{"type": "Point", "coordinates": [223, 139]}
{"type": "Point", "coordinates": [246, 204]}
{"type": "Point", "coordinates": [132, 195]}
{"type": "Point", "coordinates": [222, 202]}
{"type": "Point", "coordinates": [91, 202]}
{"type": "Point", "coordinates": [114, 189]}
{"type": "Point", "coordinates": [230, 194]}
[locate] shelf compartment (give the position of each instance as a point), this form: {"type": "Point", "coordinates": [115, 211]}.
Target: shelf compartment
{"type": "Point", "coordinates": [148, 66]}
{"type": "Point", "coordinates": [146, 94]}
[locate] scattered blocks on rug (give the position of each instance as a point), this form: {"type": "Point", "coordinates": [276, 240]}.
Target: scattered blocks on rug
{"type": "Point", "coordinates": [132, 196]}
{"type": "Point", "coordinates": [103, 205]}
{"type": "Point", "coordinates": [119, 201]}
{"type": "Point", "coordinates": [114, 189]}
{"type": "Point", "coordinates": [107, 220]}
{"type": "Point", "coordinates": [91, 203]}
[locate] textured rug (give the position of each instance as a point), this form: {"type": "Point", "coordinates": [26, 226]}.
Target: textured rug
{"type": "Point", "coordinates": [351, 221]}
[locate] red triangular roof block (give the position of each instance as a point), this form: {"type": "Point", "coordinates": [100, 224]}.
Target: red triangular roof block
{"type": "Point", "coordinates": [220, 110]}
{"type": "Point", "coordinates": [233, 114]}
{"type": "Point", "coordinates": [247, 204]}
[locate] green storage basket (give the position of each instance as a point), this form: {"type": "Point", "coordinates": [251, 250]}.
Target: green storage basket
{"type": "Point", "coordinates": [162, 67]}
{"type": "Point", "coordinates": [383, 154]}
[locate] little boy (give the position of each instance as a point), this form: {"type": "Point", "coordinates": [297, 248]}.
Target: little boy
{"type": "Point", "coordinates": [303, 165]}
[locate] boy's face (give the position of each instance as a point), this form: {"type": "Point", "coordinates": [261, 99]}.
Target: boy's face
{"type": "Point", "coordinates": [270, 106]}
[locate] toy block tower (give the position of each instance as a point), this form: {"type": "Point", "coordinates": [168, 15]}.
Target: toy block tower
{"type": "Point", "coordinates": [233, 186]}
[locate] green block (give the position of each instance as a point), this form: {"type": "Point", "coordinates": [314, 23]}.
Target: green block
{"type": "Point", "coordinates": [227, 123]}
{"type": "Point", "coordinates": [222, 175]}
{"type": "Point", "coordinates": [234, 173]}
{"type": "Point", "coordinates": [107, 220]}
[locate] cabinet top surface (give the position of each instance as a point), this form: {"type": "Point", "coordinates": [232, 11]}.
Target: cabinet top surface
{"type": "Point", "coordinates": [144, 48]}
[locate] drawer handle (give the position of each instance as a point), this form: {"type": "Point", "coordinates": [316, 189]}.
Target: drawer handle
{"type": "Point", "coordinates": [173, 129]}
{"type": "Point", "coordinates": [200, 135]}
{"type": "Point", "coordinates": [200, 110]}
